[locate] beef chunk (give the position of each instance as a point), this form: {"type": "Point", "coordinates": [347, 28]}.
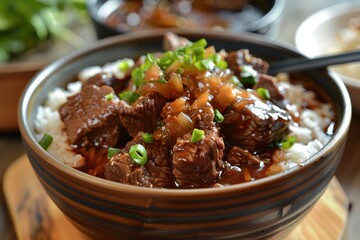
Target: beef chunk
{"type": "Point", "coordinates": [266, 81]}
{"type": "Point", "coordinates": [239, 156]}
{"type": "Point", "coordinates": [236, 59]}
{"type": "Point", "coordinates": [172, 41]}
{"type": "Point", "coordinates": [90, 118]}
{"type": "Point", "coordinates": [197, 164]}
{"type": "Point", "coordinates": [240, 166]}
{"type": "Point", "coordinates": [205, 120]}
{"type": "Point", "coordinates": [143, 115]}
{"type": "Point", "coordinates": [108, 79]}
{"type": "Point", "coordinates": [123, 169]}
{"type": "Point", "coordinates": [155, 173]}
{"type": "Point", "coordinates": [255, 126]}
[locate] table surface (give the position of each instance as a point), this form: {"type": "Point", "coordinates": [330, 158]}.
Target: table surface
{"type": "Point", "coordinates": [348, 172]}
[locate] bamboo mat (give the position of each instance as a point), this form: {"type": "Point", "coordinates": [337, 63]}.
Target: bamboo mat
{"type": "Point", "coordinates": [35, 216]}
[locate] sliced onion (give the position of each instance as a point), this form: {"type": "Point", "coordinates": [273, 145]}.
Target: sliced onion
{"type": "Point", "coordinates": [201, 101]}
{"type": "Point", "coordinates": [225, 97]}
{"type": "Point", "coordinates": [179, 125]}
{"type": "Point", "coordinates": [173, 67]}
{"type": "Point", "coordinates": [153, 73]}
{"type": "Point", "coordinates": [175, 107]}
{"type": "Point", "coordinates": [162, 88]}
{"type": "Point", "coordinates": [175, 82]}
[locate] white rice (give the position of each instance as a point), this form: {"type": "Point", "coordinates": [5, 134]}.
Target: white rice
{"type": "Point", "coordinates": [48, 121]}
{"type": "Point", "coordinates": [308, 132]}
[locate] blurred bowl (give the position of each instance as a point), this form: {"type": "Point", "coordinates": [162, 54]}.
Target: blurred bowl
{"type": "Point", "coordinates": [256, 16]}
{"type": "Point", "coordinates": [322, 34]}
{"type": "Point", "coordinates": [13, 79]}
{"type": "Point", "coordinates": [267, 208]}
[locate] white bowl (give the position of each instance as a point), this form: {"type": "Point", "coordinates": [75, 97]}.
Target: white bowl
{"type": "Point", "coordinates": [318, 35]}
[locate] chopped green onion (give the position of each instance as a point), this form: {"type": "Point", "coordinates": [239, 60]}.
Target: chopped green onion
{"type": "Point", "coordinates": [150, 58]}
{"type": "Point", "coordinates": [112, 152]}
{"type": "Point", "coordinates": [197, 135]}
{"type": "Point", "coordinates": [45, 141]}
{"type": "Point", "coordinates": [125, 64]}
{"type": "Point", "coordinates": [287, 142]}
{"type": "Point", "coordinates": [138, 76]}
{"type": "Point", "coordinates": [109, 96]}
{"type": "Point", "coordinates": [222, 64]}
{"type": "Point", "coordinates": [138, 153]}
{"type": "Point", "coordinates": [166, 59]}
{"type": "Point", "coordinates": [235, 81]}
{"type": "Point", "coordinates": [147, 137]}
{"type": "Point", "coordinates": [264, 93]}
{"type": "Point", "coordinates": [248, 75]}
{"type": "Point", "coordinates": [187, 60]}
{"type": "Point", "coordinates": [218, 117]}
{"type": "Point", "coordinates": [216, 58]}
{"type": "Point", "coordinates": [199, 43]}
{"type": "Point", "coordinates": [199, 54]}
{"type": "Point", "coordinates": [129, 96]}
{"type": "Point", "coordinates": [206, 64]}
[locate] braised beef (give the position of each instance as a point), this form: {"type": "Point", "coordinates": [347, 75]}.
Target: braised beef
{"type": "Point", "coordinates": [239, 156]}
{"type": "Point", "coordinates": [205, 120]}
{"type": "Point", "coordinates": [90, 118]}
{"type": "Point", "coordinates": [197, 165]}
{"type": "Point", "coordinates": [255, 126]}
{"type": "Point", "coordinates": [237, 59]}
{"type": "Point", "coordinates": [155, 173]}
{"type": "Point", "coordinates": [108, 79]}
{"type": "Point", "coordinates": [172, 41]}
{"type": "Point", "coordinates": [267, 82]}
{"type": "Point", "coordinates": [143, 115]}
{"type": "Point", "coordinates": [122, 169]}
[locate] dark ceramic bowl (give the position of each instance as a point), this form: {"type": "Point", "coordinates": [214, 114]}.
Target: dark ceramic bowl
{"type": "Point", "coordinates": [266, 208]}
{"type": "Point", "coordinates": [257, 16]}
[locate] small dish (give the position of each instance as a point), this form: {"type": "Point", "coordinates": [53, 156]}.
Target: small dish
{"type": "Point", "coordinates": [324, 33]}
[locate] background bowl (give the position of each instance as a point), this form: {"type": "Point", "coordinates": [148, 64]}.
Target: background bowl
{"type": "Point", "coordinates": [266, 208]}
{"type": "Point", "coordinates": [257, 16]}
{"type": "Point", "coordinates": [319, 35]}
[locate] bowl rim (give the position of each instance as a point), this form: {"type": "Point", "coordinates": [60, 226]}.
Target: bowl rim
{"type": "Point", "coordinates": [25, 105]}
{"type": "Point", "coordinates": [310, 24]}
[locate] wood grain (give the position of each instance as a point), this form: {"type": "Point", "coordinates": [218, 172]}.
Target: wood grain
{"type": "Point", "coordinates": [35, 216]}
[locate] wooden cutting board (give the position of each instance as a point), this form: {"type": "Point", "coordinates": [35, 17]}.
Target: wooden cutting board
{"type": "Point", "coordinates": [35, 216]}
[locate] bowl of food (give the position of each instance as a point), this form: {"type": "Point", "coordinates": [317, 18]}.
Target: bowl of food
{"type": "Point", "coordinates": [117, 17]}
{"type": "Point", "coordinates": [335, 29]}
{"type": "Point", "coordinates": [192, 140]}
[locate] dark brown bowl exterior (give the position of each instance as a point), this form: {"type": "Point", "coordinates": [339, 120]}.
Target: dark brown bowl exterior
{"type": "Point", "coordinates": [267, 208]}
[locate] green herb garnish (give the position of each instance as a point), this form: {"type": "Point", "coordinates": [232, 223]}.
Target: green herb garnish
{"type": "Point", "coordinates": [264, 93]}
{"type": "Point", "coordinates": [46, 141]}
{"type": "Point", "coordinates": [138, 154]}
{"type": "Point", "coordinates": [147, 137]}
{"type": "Point", "coordinates": [218, 117]}
{"type": "Point", "coordinates": [287, 142]}
{"type": "Point", "coordinates": [197, 135]}
{"type": "Point", "coordinates": [112, 152]}
{"type": "Point", "coordinates": [129, 96]}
